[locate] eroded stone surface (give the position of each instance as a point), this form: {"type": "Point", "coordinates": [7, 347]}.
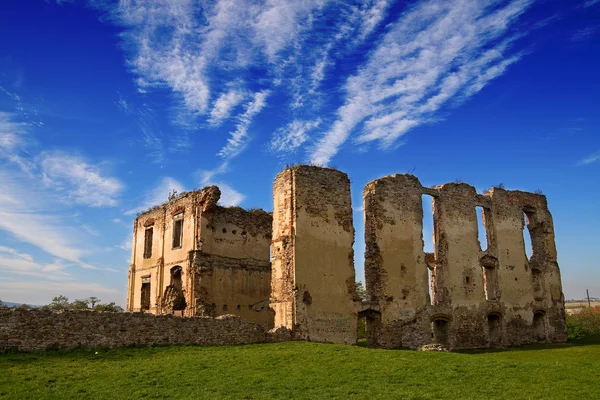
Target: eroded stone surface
{"type": "Point", "coordinates": [313, 281]}
{"type": "Point", "coordinates": [479, 298]}
{"type": "Point", "coordinates": [222, 255]}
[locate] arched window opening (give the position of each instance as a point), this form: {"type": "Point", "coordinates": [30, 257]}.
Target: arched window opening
{"type": "Point", "coordinates": [441, 331]}
{"type": "Point", "coordinates": [539, 326]}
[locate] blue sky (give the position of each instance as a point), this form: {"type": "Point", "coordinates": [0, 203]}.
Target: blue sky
{"type": "Point", "coordinates": [106, 106]}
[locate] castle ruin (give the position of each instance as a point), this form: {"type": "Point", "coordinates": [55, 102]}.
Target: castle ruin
{"type": "Point", "coordinates": [192, 257]}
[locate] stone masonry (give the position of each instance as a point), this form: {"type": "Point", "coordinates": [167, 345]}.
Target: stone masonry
{"type": "Point", "coordinates": [313, 281]}
{"type": "Point", "coordinates": [38, 329]}
{"type": "Point", "coordinates": [479, 298]}
{"type": "Point", "coordinates": [193, 257]}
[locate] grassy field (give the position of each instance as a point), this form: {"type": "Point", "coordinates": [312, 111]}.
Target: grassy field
{"type": "Point", "coordinates": [306, 371]}
{"type": "Point", "coordinates": [581, 304]}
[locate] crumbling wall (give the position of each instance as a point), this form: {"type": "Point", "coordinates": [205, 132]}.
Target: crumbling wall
{"type": "Point", "coordinates": [460, 296]}
{"type": "Point", "coordinates": [530, 289]}
{"type": "Point", "coordinates": [313, 284]}
{"type": "Point", "coordinates": [37, 330]}
{"type": "Point", "coordinates": [480, 298]}
{"type": "Point", "coordinates": [395, 270]}
{"type": "Point", "coordinates": [222, 255]}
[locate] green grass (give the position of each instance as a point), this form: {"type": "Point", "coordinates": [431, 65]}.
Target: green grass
{"type": "Point", "coordinates": [306, 371]}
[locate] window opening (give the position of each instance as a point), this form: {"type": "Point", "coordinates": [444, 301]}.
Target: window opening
{"type": "Point", "coordinates": [145, 293]}
{"type": "Point", "coordinates": [177, 232]}
{"type": "Point", "coordinates": [429, 244]}
{"type": "Point", "coordinates": [527, 223]}
{"type": "Point", "coordinates": [148, 242]}
{"type": "Point", "coordinates": [539, 326]}
{"type": "Point", "coordinates": [441, 328]}
{"type": "Point", "coordinates": [484, 240]}
{"type": "Point", "coordinates": [494, 330]}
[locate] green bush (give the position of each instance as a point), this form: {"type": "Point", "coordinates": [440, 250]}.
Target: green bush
{"type": "Point", "coordinates": [584, 323]}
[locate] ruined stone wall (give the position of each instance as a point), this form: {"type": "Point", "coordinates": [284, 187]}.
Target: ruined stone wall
{"type": "Point", "coordinates": [313, 284]}
{"type": "Point", "coordinates": [36, 330]}
{"type": "Point", "coordinates": [220, 263]}
{"type": "Point", "coordinates": [480, 298]}
{"type": "Point", "coordinates": [395, 269]}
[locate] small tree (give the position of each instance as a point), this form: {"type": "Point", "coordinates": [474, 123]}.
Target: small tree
{"type": "Point", "coordinates": [80, 305]}
{"type": "Point", "coordinates": [93, 301]}
{"type": "Point", "coordinates": [59, 303]}
{"type": "Point", "coordinates": [361, 291]}
{"type": "Point", "coordinates": [1, 303]}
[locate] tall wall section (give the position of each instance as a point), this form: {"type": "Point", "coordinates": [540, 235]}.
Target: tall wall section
{"type": "Point", "coordinates": [313, 280]}
{"type": "Point", "coordinates": [395, 270]}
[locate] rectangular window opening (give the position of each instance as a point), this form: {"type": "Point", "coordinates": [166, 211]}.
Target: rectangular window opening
{"type": "Point", "coordinates": [484, 240]}
{"type": "Point", "coordinates": [177, 233]}
{"type": "Point", "coordinates": [429, 244]}
{"type": "Point", "coordinates": [527, 224]}
{"type": "Point", "coordinates": [145, 293]}
{"type": "Point", "coordinates": [148, 243]}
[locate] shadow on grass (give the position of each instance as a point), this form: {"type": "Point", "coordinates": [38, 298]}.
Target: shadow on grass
{"type": "Point", "coordinates": [586, 341]}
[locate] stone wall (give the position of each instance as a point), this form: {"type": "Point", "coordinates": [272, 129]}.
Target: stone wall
{"type": "Point", "coordinates": [481, 297]}
{"type": "Point", "coordinates": [220, 266]}
{"type": "Point", "coordinates": [35, 329]}
{"type": "Point", "coordinates": [313, 281]}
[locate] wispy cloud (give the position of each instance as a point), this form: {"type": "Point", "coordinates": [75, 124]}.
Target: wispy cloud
{"type": "Point", "coordinates": [590, 159]}
{"type": "Point", "coordinates": [82, 182]}
{"type": "Point", "coordinates": [238, 138]}
{"type": "Point", "coordinates": [436, 52]}
{"type": "Point", "coordinates": [589, 3]}
{"type": "Point", "coordinates": [26, 217]}
{"type": "Point", "coordinates": [23, 264]}
{"type": "Point", "coordinates": [225, 104]}
{"type": "Point", "coordinates": [584, 34]}
{"type": "Point", "coordinates": [290, 137]}
{"type": "Point", "coordinates": [158, 195]}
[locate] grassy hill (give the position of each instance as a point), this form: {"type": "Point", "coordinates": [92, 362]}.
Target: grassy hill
{"type": "Point", "coordinates": [304, 370]}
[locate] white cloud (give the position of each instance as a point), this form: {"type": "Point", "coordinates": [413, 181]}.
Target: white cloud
{"type": "Point", "coordinates": [208, 175]}
{"type": "Point", "coordinates": [293, 135]}
{"type": "Point", "coordinates": [229, 196]}
{"type": "Point", "coordinates": [24, 264]}
{"type": "Point", "coordinates": [589, 3]}
{"type": "Point", "coordinates": [590, 159]}
{"type": "Point", "coordinates": [224, 105]}
{"type": "Point", "coordinates": [238, 138]}
{"type": "Point", "coordinates": [22, 214]}
{"type": "Point", "coordinates": [434, 53]}
{"type": "Point", "coordinates": [80, 181]}
{"type": "Point", "coordinates": [179, 44]}
{"type": "Point", "coordinates": [41, 291]}
{"type": "Point", "coordinates": [158, 195]}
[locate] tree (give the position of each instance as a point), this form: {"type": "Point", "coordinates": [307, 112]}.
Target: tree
{"type": "Point", "coordinates": [80, 305]}
{"type": "Point", "coordinates": [59, 303]}
{"type": "Point", "coordinates": [93, 301]}
{"type": "Point", "coordinates": [361, 291]}
{"type": "Point", "coordinates": [109, 307]}
{"type": "Point", "coordinates": [1, 303]}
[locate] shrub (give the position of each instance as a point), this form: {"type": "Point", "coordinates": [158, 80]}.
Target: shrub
{"type": "Point", "coordinates": [584, 323]}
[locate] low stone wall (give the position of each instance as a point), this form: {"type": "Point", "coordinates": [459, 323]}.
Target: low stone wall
{"type": "Point", "coordinates": [35, 330]}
